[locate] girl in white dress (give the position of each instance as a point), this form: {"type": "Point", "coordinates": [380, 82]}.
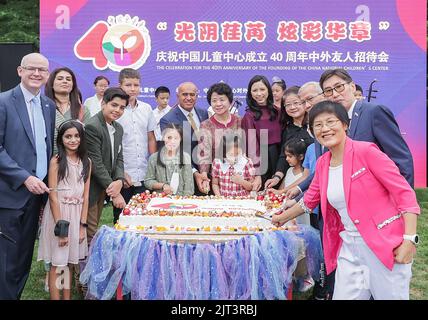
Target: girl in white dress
{"type": "Point", "coordinates": [63, 230]}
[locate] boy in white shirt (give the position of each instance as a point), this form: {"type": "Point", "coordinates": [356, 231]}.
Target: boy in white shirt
{"type": "Point", "coordinates": [138, 140]}
{"type": "Point", "coordinates": [162, 95]}
{"type": "Point", "coordinates": [93, 104]}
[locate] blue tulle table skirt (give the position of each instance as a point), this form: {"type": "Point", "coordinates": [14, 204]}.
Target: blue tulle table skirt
{"type": "Point", "coordinates": [256, 267]}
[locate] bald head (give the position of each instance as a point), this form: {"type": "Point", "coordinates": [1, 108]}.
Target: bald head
{"type": "Point", "coordinates": [34, 72]}
{"type": "Point", "coordinates": [187, 84]}
{"type": "Point", "coordinates": [187, 95]}
{"type": "Point", "coordinates": [34, 57]}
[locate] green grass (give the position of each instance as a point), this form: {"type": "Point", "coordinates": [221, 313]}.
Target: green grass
{"type": "Point", "coordinates": [419, 283]}
{"type": "Point", "coordinates": [34, 289]}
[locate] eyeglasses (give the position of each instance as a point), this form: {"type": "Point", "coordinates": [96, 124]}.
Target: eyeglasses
{"type": "Point", "coordinates": [34, 69]}
{"type": "Point", "coordinates": [188, 94]}
{"type": "Point", "coordinates": [329, 123]}
{"type": "Point", "coordinates": [309, 100]}
{"type": "Point", "coordinates": [338, 88]}
{"type": "Point", "coordinates": [294, 104]}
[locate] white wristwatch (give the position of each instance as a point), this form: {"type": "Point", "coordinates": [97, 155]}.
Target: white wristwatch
{"type": "Point", "coordinates": [414, 238]}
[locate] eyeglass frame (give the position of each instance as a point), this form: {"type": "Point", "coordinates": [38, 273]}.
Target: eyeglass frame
{"type": "Point", "coordinates": [311, 98]}
{"type": "Point", "coordinates": [296, 104]}
{"type": "Point", "coordinates": [34, 69]}
{"type": "Point", "coordinates": [189, 94]}
{"type": "Point", "coordinates": [333, 122]}
{"type": "Point", "coordinates": [335, 89]}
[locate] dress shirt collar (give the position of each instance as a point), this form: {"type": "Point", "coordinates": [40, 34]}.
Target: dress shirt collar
{"type": "Point", "coordinates": [351, 110]}
{"type": "Point", "coordinates": [186, 113]}
{"type": "Point", "coordinates": [238, 166]}
{"type": "Point", "coordinates": [129, 107]}
{"type": "Point", "coordinates": [164, 110]}
{"type": "Point", "coordinates": [28, 96]}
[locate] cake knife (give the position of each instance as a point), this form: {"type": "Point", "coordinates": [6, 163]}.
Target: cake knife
{"type": "Point", "coordinates": [59, 189]}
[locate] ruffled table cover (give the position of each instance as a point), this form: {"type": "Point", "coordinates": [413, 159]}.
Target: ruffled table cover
{"type": "Point", "coordinates": [253, 267]}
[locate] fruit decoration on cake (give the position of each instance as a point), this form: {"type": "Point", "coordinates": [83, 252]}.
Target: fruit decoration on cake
{"type": "Point", "coordinates": [158, 213]}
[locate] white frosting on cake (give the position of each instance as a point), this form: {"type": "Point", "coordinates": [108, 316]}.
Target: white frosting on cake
{"type": "Point", "coordinates": [168, 215]}
{"type": "Point", "coordinates": [196, 222]}
{"type": "Point", "coordinates": [192, 205]}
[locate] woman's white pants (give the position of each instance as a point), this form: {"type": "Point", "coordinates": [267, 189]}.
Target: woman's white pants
{"type": "Point", "coordinates": [360, 274]}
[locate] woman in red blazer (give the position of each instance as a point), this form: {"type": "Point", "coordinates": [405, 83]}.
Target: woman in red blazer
{"type": "Point", "coordinates": [369, 211]}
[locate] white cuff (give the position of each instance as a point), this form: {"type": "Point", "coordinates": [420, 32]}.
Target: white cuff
{"type": "Point", "coordinates": [303, 206]}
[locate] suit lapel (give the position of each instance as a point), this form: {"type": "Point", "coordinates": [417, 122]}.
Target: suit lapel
{"type": "Point", "coordinates": [182, 118]}
{"type": "Point", "coordinates": [180, 115]}
{"type": "Point", "coordinates": [356, 113]}
{"type": "Point", "coordinates": [200, 118]}
{"type": "Point", "coordinates": [116, 142]}
{"type": "Point", "coordinates": [48, 124]}
{"type": "Point", "coordinates": [21, 109]}
{"type": "Point", "coordinates": [347, 168]}
{"type": "Point", "coordinates": [106, 134]}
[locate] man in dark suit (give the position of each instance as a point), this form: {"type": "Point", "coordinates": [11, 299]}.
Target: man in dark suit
{"type": "Point", "coordinates": [189, 118]}
{"type": "Point", "coordinates": [27, 120]}
{"type": "Point", "coordinates": [369, 122]}
{"type": "Point", "coordinates": [104, 141]}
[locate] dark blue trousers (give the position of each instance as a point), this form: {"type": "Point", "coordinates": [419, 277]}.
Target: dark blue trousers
{"type": "Point", "coordinates": [15, 258]}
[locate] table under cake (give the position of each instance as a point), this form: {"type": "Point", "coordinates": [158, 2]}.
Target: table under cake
{"type": "Point", "coordinates": [199, 266]}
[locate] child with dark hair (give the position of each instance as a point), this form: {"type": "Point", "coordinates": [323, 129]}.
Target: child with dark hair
{"type": "Point", "coordinates": [294, 153]}
{"type": "Point", "coordinates": [93, 104]}
{"type": "Point", "coordinates": [63, 231]}
{"type": "Point", "coordinates": [104, 135]}
{"type": "Point", "coordinates": [278, 88]}
{"type": "Point", "coordinates": [162, 95]}
{"type": "Point", "coordinates": [232, 173]}
{"type": "Point", "coordinates": [358, 92]}
{"type": "Point", "coordinates": [170, 169]}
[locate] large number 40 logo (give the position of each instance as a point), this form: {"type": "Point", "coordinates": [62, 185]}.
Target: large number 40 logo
{"type": "Point", "coordinates": [121, 43]}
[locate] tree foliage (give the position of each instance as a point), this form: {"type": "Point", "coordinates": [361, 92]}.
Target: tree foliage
{"type": "Point", "coordinates": [19, 21]}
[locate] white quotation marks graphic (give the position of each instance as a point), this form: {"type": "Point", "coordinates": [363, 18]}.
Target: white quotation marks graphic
{"type": "Point", "coordinates": [117, 43]}
{"type": "Point", "coordinates": [383, 25]}
{"type": "Point", "coordinates": [162, 26]}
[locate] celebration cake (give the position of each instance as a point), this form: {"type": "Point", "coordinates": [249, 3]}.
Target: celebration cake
{"type": "Point", "coordinates": [155, 213]}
